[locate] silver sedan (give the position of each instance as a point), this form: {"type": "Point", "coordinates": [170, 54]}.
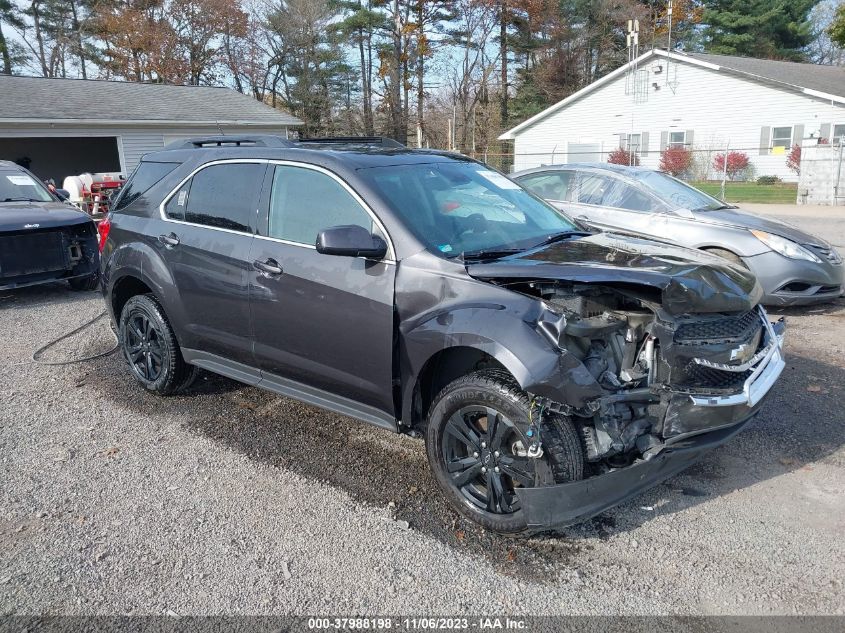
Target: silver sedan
{"type": "Point", "coordinates": [793, 267]}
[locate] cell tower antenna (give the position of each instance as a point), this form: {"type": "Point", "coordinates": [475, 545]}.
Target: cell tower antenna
{"type": "Point", "coordinates": [633, 41]}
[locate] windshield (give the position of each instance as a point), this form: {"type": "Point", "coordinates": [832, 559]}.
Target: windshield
{"type": "Point", "coordinates": [18, 185]}
{"type": "Point", "coordinates": [679, 193]}
{"type": "Point", "coordinates": [458, 208]}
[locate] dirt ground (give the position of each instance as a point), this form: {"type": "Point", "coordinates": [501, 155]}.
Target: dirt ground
{"type": "Point", "coordinates": [231, 500]}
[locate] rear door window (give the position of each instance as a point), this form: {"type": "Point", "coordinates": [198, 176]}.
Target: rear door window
{"type": "Point", "coordinates": [142, 180]}
{"type": "Point", "coordinates": [593, 189]}
{"type": "Point", "coordinates": [220, 196]}
{"type": "Point", "coordinates": [549, 185]}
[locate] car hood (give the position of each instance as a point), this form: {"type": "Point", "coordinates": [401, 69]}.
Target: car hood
{"type": "Point", "coordinates": [688, 281]}
{"type": "Point", "coordinates": [742, 219]}
{"type": "Point", "coordinates": [16, 216]}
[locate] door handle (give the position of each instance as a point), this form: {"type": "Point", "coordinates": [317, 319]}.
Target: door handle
{"type": "Point", "coordinates": [170, 240]}
{"type": "Point", "coordinates": [268, 267]}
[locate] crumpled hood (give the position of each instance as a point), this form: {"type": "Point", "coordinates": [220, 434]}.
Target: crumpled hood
{"type": "Point", "coordinates": [689, 281]}
{"type": "Point", "coordinates": [14, 216]}
{"type": "Point", "coordinates": [745, 220]}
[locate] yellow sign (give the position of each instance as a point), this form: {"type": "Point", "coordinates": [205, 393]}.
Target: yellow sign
{"type": "Point", "coordinates": [778, 150]}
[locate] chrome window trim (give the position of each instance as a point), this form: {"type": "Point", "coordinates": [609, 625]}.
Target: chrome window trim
{"type": "Point", "coordinates": [225, 161]}
{"type": "Point", "coordinates": [391, 251]}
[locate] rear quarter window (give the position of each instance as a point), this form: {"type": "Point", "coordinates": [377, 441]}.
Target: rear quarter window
{"type": "Point", "coordinates": [142, 180]}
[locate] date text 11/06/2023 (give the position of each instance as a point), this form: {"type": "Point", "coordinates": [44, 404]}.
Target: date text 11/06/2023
{"type": "Point", "coordinates": [418, 623]}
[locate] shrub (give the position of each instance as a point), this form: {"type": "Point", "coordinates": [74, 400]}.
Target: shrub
{"type": "Point", "coordinates": [793, 160]}
{"type": "Point", "coordinates": [622, 156]}
{"type": "Point", "coordinates": [737, 164]}
{"type": "Point", "coordinates": [675, 160]}
{"type": "Point", "coordinates": [768, 180]}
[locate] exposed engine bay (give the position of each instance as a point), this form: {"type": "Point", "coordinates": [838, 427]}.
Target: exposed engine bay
{"type": "Point", "coordinates": [649, 364]}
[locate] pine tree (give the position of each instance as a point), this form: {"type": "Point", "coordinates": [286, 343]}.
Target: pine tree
{"type": "Point", "coordinates": [769, 29]}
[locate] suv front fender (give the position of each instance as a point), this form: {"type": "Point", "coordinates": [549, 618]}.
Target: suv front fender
{"type": "Point", "coordinates": [507, 333]}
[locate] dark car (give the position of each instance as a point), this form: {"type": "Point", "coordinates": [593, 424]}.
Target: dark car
{"type": "Point", "coordinates": [553, 372]}
{"type": "Point", "coordinates": [792, 266]}
{"type": "Point", "coordinates": [43, 239]}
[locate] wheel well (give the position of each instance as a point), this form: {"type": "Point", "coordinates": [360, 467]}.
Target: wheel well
{"type": "Point", "coordinates": [444, 367]}
{"type": "Point", "coordinates": [124, 290]}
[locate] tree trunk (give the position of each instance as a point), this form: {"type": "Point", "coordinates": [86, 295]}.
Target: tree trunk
{"type": "Point", "coordinates": [420, 73]}
{"type": "Point", "coordinates": [4, 51]}
{"type": "Point", "coordinates": [78, 32]}
{"type": "Point", "coordinates": [365, 86]}
{"type": "Point", "coordinates": [398, 129]}
{"type": "Point", "coordinates": [39, 38]}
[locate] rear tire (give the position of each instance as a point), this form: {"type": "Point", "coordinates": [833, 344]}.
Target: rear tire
{"type": "Point", "coordinates": [150, 347]}
{"type": "Point", "coordinates": [479, 464]}
{"type": "Point", "coordinates": [84, 284]}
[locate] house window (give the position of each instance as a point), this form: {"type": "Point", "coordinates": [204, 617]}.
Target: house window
{"type": "Point", "coordinates": [633, 142]}
{"type": "Point", "coordinates": [838, 134]}
{"type": "Point", "coordinates": [782, 137]}
{"type": "Point", "coordinates": [677, 139]}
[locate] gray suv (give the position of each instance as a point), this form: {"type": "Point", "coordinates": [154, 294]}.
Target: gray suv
{"type": "Point", "coordinates": [553, 372]}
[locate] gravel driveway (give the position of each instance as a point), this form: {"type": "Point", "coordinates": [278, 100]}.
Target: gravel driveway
{"type": "Point", "coordinates": [231, 500]}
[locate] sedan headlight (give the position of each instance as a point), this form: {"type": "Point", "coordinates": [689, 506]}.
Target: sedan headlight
{"type": "Point", "coordinates": [785, 247]}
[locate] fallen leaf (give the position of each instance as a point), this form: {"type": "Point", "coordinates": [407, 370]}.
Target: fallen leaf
{"type": "Point", "coordinates": [109, 452]}
{"type": "Point", "coordinates": [511, 556]}
{"type": "Point", "coordinates": [814, 389]}
{"type": "Point", "coordinates": [786, 461]}
{"type": "Point", "coordinates": [460, 535]}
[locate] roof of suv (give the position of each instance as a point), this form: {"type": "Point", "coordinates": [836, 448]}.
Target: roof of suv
{"type": "Point", "coordinates": [353, 153]}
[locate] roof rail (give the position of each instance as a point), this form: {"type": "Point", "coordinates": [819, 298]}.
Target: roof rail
{"type": "Point", "coordinates": [259, 140]}
{"type": "Point", "coordinates": [366, 141]}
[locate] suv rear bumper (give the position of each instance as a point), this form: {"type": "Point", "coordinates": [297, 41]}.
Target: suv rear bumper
{"type": "Point", "coordinates": [565, 504]}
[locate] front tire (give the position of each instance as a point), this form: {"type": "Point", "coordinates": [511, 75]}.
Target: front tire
{"type": "Point", "coordinates": [476, 443]}
{"type": "Point", "coordinates": [151, 349]}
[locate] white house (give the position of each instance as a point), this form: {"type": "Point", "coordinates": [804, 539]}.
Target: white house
{"type": "Point", "coordinates": [62, 127]}
{"type": "Point", "coordinates": [702, 102]}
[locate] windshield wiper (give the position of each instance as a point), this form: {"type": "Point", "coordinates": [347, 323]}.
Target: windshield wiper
{"type": "Point", "coordinates": [719, 208]}
{"type": "Point", "coordinates": [21, 200]}
{"type": "Point", "coordinates": [490, 254]}
{"type": "Point", "coordinates": [559, 237]}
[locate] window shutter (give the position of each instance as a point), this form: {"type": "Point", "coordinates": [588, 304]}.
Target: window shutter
{"type": "Point", "coordinates": [690, 137]}
{"type": "Point", "coordinates": [644, 144]}
{"type": "Point", "coordinates": [664, 140]}
{"type": "Point", "coordinates": [824, 131]}
{"type": "Point", "coordinates": [765, 137]}
{"type": "Point", "coordinates": [798, 135]}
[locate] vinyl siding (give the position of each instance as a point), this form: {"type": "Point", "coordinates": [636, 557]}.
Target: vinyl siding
{"type": "Point", "coordinates": [713, 108]}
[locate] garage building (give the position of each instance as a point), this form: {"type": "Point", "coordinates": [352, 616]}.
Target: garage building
{"type": "Point", "coordinates": [63, 127]}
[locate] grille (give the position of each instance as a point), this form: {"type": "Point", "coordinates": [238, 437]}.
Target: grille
{"type": "Point", "coordinates": [825, 253]}
{"type": "Point", "coordinates": [700, 377]}
{"type": "Point", "coordinates": [728, 328]}
{"type": "Point", "coordinates": [32, 253]}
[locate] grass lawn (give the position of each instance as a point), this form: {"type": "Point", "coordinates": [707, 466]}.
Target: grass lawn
{"type": "Point", "coordinates": [782, 193]}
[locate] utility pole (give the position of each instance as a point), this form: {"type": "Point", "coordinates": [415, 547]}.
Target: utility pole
{"type": "Point", "coordinates": [725, 170]}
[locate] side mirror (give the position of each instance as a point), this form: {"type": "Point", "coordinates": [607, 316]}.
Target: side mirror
{"type": "Point", "coordinates": [351, 241]}
{"type": "Point", "coordinates": [63, 194]}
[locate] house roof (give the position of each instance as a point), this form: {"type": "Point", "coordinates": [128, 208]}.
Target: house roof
{"type": "Point", "coordinates": [827, 82]}
{"type": "Point", "coordinates": [36, 99]}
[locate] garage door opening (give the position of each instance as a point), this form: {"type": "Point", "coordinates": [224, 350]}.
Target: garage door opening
{"type": "Point", "coordinates": [57, 158]}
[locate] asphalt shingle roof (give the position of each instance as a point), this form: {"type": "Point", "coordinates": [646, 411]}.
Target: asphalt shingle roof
{"type": "Point", "coordinates": [829, 79]}
{"type": "Point", "coordinates": [94, 100]}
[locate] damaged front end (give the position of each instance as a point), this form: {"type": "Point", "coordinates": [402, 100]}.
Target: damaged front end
{"type": "Point", "coordinates": [667, 387]}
